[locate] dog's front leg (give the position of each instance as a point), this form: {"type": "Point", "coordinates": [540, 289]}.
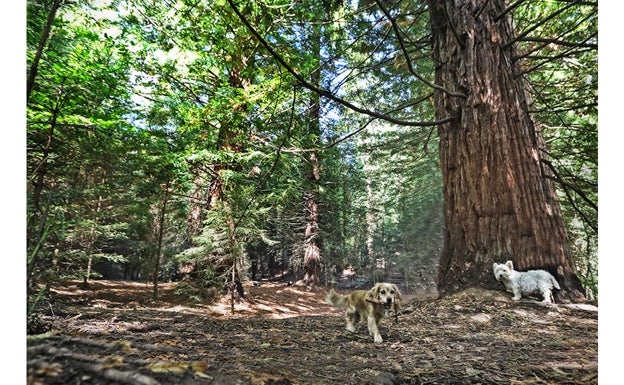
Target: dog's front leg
{"type": "Point", "coordinates": [547, 296]}
{"type": "Point", "coordinates": [517, 294]}
{"type": "Point", "coordinates": [352, 318]}
{"type": "Point", "coordinates": [373, 330]}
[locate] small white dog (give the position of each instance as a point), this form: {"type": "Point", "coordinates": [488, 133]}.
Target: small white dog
{"type": "Point", "coordinates": [532, 282]}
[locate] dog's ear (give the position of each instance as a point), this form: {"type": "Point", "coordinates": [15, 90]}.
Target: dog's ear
{"type": "Point", "coordinates": [509, 264]}
{"type": "Point", "coordinates": [494, 266]}
{"type": "Point", "coordinates": [373, 294]}
{"type": "Point", "coordinates": [397, 292]}
{"type": "Point", "coordinates": [397, 301]}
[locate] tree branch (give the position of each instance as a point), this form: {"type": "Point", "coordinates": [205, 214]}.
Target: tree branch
{"type": "Point", "coordinates": [322, 92]}
{"type": "Point", "coordinates": [509, 9]}
{"type": "Point", "coordinates": [540, 22]}
{"type": "Point", "coordinates": [397, 33]}
{"type": "Point", "coordinates": [550, 59]}
{"type": "Point", "coordinates": [566, 188]}
{"type": "Point", "coordinates": [564, 43]}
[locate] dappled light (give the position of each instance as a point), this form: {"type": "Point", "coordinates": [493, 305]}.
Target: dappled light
{"type": "Point", "coordinates": [272, 299]}
{"type": "Point", "coordinates": [200, 175]}
{"type": "Point", "coordinates": [282, 334]}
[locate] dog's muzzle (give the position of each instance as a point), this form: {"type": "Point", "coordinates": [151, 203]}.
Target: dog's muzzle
{"type": "Point", "coordinates": [388, 303]}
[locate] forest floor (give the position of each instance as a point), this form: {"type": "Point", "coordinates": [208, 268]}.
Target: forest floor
{"type": "Point", "coordinates": [113, 333]}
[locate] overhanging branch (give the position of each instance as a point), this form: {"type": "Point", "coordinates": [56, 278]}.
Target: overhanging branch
{"type": "Point", "coordinates": [566, 189]}
{"type": "Point", "coordinates": [322, 92]}
{"type": "Point", "coordinates": [397, 33]}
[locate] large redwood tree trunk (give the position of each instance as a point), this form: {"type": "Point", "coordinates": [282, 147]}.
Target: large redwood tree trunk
{"type": "Point", "coordinates": [499, 201]}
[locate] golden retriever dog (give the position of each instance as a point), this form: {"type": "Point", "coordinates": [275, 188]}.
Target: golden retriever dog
{"type": "Point", "coordinates": [371, 305]}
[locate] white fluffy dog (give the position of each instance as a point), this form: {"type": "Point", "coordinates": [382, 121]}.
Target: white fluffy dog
{"type": "Point", "coordinates": [532, 282]}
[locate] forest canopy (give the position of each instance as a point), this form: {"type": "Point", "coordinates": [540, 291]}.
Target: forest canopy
{"type": "Point", "coordinates": [217, 141]}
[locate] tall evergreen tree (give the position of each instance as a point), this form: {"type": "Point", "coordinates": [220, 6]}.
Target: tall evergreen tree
{"type": "Point", "coordinates": [244, 121]}
{"type": "Point", "coordinates": [500, 202]}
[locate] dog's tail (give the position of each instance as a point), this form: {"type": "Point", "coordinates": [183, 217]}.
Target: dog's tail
{"type": "Point", "coordinates": [336, 299]}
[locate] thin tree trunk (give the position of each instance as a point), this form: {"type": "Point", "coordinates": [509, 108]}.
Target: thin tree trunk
{"type": "Point", "coordinates": [34, 66]}
{"type": "Point", "coordinates": [236, 285]}
{"type": "Point", "coordinates": [499, 201]}
{"type": "Point", "coordinates": [92, 237]}
{"type": "Point", "coordinates": [197, 205]}
{"type": "Point", "coordinates": [33, 261]}
{"type": "Point", "coordinates": [312, 253]}
{"type": "Point", "coordinates": [42, 168]}
{"type": "Point", "coordinates": [161, 231]}
{"type": "Point", "coordinates": [37, 232]}
{"type": "Point", "coordinates": [370, 224]}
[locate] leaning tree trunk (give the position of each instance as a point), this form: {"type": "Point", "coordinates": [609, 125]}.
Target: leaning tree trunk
{"type": "Point", "coordinates": [45, 35]}
{"type": "Point", "coordinates": [499, 201]}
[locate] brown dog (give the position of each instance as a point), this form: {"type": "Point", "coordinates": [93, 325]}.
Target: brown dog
{"type": "Point", "coordinates": [371, 305]}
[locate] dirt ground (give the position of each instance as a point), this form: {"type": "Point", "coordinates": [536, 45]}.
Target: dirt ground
{"type": "Point", "coordinates": [112, 333]}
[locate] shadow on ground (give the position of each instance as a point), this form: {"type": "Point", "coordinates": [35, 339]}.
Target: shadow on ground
{"type": "Point", "coordinates": [114, 333]}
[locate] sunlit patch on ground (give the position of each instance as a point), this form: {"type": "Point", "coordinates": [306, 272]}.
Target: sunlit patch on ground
{"type": "Point", "coordinates": [285, 334]}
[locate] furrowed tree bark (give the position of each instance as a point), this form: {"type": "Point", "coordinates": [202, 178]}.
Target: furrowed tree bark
{"type": "Point", "coordinates": [499, 201]}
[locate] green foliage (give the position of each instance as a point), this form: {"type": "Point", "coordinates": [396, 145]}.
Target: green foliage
{"type": "Point", "coordinates": [406, 207]}
{"type": "Point", "coordinates": [188, 290]}
{"type": "Point", "coordinates": [141, 109]}
{"type": "Point", "coordinates": [36, 300]}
